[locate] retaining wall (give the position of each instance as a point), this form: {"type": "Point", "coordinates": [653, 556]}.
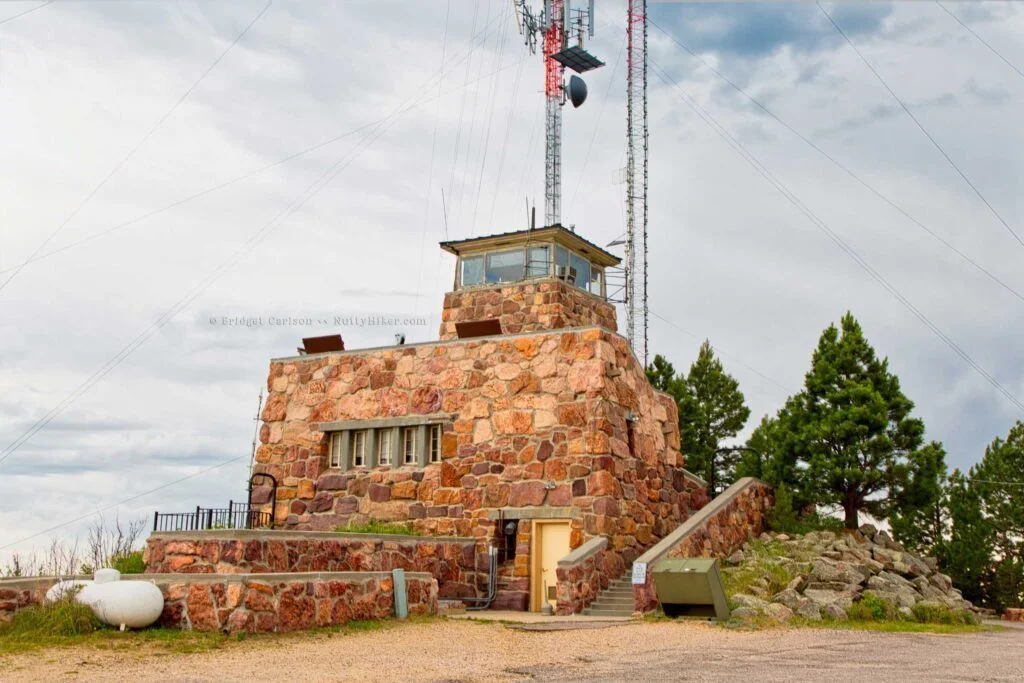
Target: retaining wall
{"type": "Point", "coordinates": [722, 526]}
{"type": "Point", "coordinates": [585, 572]}
{"type": "Point", "coordinates": [258, 603]}
{"type": "Point", "coordinates": [450, 560]}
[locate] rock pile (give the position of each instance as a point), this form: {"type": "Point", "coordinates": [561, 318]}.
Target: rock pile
{"type": "Point", "coordinates": [828, 573]}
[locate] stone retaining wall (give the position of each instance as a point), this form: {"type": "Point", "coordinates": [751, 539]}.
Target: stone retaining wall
{"type": "Point", "coordinates": [256, 602]}
{"type": "Point", "coordinates": [722, 526]}
{"type": "Point", "coordinates": [449, 560]}
{"type": "Point", "coordinates": [584, 573]}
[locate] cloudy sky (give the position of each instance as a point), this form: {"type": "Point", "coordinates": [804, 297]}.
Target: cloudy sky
{"type": "Point", "coordinates": [145, 196]}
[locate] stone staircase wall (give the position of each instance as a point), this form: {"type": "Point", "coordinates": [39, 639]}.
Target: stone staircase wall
{"type": "Point", "coordinates": [717, 530]}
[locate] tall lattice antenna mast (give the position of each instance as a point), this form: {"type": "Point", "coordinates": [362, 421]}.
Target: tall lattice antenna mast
{"type": "Point", "coordinates": [558, 24]}
{"type": "Point", "coordinates": [636, 178]}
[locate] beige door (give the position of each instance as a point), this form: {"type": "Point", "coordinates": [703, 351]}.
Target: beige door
{"type": "Point", "coordinates": [551, 543]}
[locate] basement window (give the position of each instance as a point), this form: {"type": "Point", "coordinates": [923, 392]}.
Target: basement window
{"type": "Point", "coordinates": [435, 443]}
{"type": "Point", "coordinates": [359, 448]}
{"type": "Point", "coordinates": [384, 446]}
{"type": "Point", "coordinates": [335, 457]}
{"type": "Point", "coordinates": [409, 445]}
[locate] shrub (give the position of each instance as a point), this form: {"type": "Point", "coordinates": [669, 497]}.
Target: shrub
{"type": "Point", "coordinates": [940, 614]}
{"type": "Point", "coordinates": [782, 517]}
{"type": "Point", "coordinates": [873, 608]}
{"type": "Point", "coordinates": [373, 527]}
{"type": "Point", "coordinates": [58, 619]}
{"type": "Point", "coordinates": [130, 563]}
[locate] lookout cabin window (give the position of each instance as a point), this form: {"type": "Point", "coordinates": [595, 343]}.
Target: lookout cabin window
{"type": "Point", "coordinates": [533, 260]}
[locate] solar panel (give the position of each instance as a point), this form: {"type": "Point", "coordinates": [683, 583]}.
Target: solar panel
{"type": "Point", "coordinates": [577, 59]}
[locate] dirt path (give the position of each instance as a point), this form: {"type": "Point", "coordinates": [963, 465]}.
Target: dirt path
{"type": "Point", "coordinates": [462, 651]}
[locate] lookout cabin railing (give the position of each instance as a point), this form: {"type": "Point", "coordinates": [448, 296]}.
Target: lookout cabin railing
{"type": "Point", "coordinates": [234, 516]}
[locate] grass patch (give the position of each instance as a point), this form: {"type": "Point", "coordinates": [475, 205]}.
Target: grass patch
{"type": "Point", "coordinates": [372, 527]}
{"type": "Point", "coordinates": [760, 562]}
{"type": "Point", "coordinates": [67, 625]}
{"type": "Point", "coordinates": [896, 626]}
{"type": "Point", "coordinates": [873, 608]}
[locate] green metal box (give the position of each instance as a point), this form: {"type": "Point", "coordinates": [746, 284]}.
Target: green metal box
{"type": "Point", "coordinates": [690, 588]}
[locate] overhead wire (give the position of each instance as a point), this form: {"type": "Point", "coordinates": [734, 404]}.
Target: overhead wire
{"type": "Point", "coordinates": [980, 39]}
{"type": "Point", "coordinates": [258, 237]}
{"type": "Point", "coordinates": [920, 126]}
{"type": "Point", "coordinates": [989, 274]}
{"type": "Point", "coordinates": [250, 174]}
{"type": "Point", "coordinates": [834, 237]}
{"type": "Point", "coordinates": [135, 148]}
{"type": "Point", "coordinates": [28, 11]}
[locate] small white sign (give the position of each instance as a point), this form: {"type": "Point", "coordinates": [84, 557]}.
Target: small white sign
{"type": "Point", "coordinates": [639, 573]}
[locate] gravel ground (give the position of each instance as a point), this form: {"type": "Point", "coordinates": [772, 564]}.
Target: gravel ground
{"type": "Point", "coordinates": [466, 651]}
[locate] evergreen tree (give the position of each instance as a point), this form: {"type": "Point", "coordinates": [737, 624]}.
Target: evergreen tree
{"type": "Point", "coordinates": [712, 410]}
{"type": "Point", "coordinates": [966, 554]}
{"type": "Point", "coordinates": [919, 518]}
{"type": "Point", "coordinates": [848, 438]}
{"type": "Point", "coordinates": [997, 480]}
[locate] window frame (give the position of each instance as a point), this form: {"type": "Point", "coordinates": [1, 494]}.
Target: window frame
{"type": "Point", "coordinates": [335, 444]}
{"type": "Point", "coordinates": [384, 435]}
{"type": "Point", "coordinates": [409, 446]}
{"type": "Point", "coordinates": [498, 252]}
{"type": "Point", "coordinates": [434, 433]}
{"type": "Point", "coordinates": [358, 448]}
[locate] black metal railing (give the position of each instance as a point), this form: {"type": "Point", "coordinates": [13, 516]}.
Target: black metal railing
{"type": "Point", "coordinates": [234, 516]}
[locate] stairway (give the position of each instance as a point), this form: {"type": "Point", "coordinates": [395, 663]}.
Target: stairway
{"type": "Point", "coordinates": [614, 601]}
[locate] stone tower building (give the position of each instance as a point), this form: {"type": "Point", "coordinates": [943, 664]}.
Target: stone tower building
{"type": "Point", "coordinates": [530, 425]}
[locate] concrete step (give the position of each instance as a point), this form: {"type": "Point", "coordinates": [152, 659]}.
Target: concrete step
{"type": "Point", "coordinates": [602, 612]}
{"type": "Point", "coordinates": [605, 600]}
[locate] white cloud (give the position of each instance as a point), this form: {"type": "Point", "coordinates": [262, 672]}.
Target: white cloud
{"type": "Point", "coordinates": [731, 259]}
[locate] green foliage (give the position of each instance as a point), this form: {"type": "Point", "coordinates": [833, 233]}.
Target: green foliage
{"type": "Point", "coordinates": [873, 608]}
{"type": "Point", "coordinates": [782, 517]}
{"type": "Point", "coordinates": [940, 614]}
{"type": "Point", "coordinates": [760, 562]}
{"type": "Point", "coordinates": [61, 619]}
{"type": "Point", "coordinates": [711, 410]}
{"type": "Point", "coordinates": [130, 563]}
{"type": "Point", "coordinates": [375, 527]}
{"type": "Point", "coordinates": [848, 438]}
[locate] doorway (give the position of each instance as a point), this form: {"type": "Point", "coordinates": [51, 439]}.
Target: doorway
{"type": "Point", "coordinates": [550, 544]}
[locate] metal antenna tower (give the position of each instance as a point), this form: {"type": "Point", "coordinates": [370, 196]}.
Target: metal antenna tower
{"type": "Point", "coordinates": [558, 23]}
{"type": "Point", "coordinates": [636, 178]}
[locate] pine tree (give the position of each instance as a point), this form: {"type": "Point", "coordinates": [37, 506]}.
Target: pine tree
{"type": "Point", "coordinates": [966, 554]}
{"type": "Point", "coordinates": [851, 432]}
{"type": "Point", "coordinates": [712, 410]}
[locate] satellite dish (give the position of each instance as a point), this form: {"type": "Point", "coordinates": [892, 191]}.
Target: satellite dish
{"type": "Point", "coordinates": [577, 90]}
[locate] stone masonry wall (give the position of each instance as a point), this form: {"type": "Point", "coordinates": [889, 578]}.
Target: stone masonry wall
{"type": "Point", "coordinates": [546, 304]}
{"type": "Point", "coordinates": [449, 560]}
{"type": "Point", "coordinates": [257, 602]}
{"type": "Point", "coordinates": [263, 603]}
{"type": "Point", "coordinates": [519, 412]}
{"type": "Point", "coordinates": [583, 574]}
{"type": "Point", "coordinates": [730, 520]}
{"type": "Point", "coordinates": [550, 421]}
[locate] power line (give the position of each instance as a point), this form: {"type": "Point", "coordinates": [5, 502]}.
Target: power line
{"type": "Point", "coordinates": [724, 354]}
{"type": "Point", "coordinates": [920, 126]}
{"type": "Point", "coordinates": [315, 187]}
{"type": "Point", "coordinates": [28, 11]}
{"type": "Point", "coordinates": [237, 179]}
{"type": "Point", "coordinates": [122, 502]}
{"type": "Point", "coordinates": [139, 144]}
{"type": "Point", "coordinates": [836, 239]}
{"type": "Point", "coordinates": [842, 167]}
{"type": "Point", "coordinates": [981, 40]}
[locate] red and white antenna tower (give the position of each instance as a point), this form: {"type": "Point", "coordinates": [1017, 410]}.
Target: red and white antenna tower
{"type": "Point", "coordinates": [636, 178]}
{"type": "Point", "coordinates": [558, 23]}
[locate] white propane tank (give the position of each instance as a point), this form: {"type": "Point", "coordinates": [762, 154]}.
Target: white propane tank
{"type": "Point", "coordinates": [65, 589]}
{"type": "Point", "coordinates": [131, 604]}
